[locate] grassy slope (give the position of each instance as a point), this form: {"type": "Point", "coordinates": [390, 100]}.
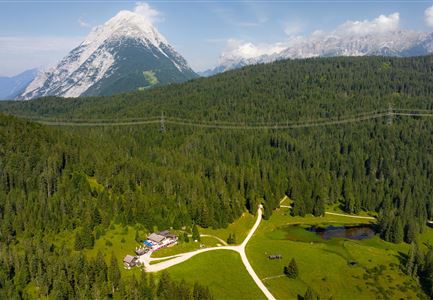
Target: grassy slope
{"type": "Point", "coordinates": [183, 247]}
{"type": "Point", "coordinates": [323, 265]}
{"type": "Point", "coordinates": [122, 243]}
{"type": "Point", "coordinates": [222, 271]}
{"type": "Point", "coordinates": [240, 228]}
{"type": "Point", "coordinates": [150, 77]}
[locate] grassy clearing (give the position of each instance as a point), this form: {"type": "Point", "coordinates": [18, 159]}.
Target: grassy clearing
{"type": "Point", "coordinates": [426, 238]}
{"type": "Point", "coordinates": [183, 247]}
{"type": "Point", "coordinates": [150, 77]}
{"type": "Point", "coordinates": [222, 271]}
{"type": "Point", "coordinates": [119, 240]}
{"type": "Point", "coordinates": [240, 228]}
{"type": "Point", "coordinates": [325, 265]}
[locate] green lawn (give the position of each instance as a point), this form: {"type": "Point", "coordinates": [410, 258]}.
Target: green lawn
{"type": "Point", "coordinates": [122, 241]}
{"type": "Point", "coordinates": [240, 228]}
{"type": "Point", "coordinates": [119, 240]}
{"type": "Point", "coordinates": [183, 247]}
{"type": "Point", "coordinates": [222, 271]}
{"type": "Point", "coordinates": [324, 265]}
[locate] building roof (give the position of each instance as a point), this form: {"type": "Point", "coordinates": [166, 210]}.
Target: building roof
{"type": "Point", "coordinates": [163, 233]}
{"type": "Point", "coordinates": [128, 259]}
{"type": "Point", "coordinates": [167, 234]}
{"type": "Point", "coordinates": [156, 237]}
{"type": "Point", "coordinates": [141, 251]}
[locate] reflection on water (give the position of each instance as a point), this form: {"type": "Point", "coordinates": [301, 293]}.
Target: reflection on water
{"type": "Point", "coordinates": [349, 232]}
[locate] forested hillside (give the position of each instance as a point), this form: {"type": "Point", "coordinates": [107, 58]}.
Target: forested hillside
{"type": "Point", "coordinates": [283, 91]}
{"type": "Point", "coordinates": [184, 175]}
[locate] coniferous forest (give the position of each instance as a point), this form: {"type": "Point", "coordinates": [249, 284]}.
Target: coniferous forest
{"type": "Point", "coordinates": [183, 175]}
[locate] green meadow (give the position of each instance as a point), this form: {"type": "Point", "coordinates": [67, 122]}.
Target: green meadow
{"type": "Point", "coordinates": [240, 228]}
{"type": "Point", "coordinates": [338, 268]}
{"type": "Point", "coordinates": [222, 271]}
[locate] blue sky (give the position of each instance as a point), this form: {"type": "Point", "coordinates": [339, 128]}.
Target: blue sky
{"type": "Point", "coordinates": [39, 33]}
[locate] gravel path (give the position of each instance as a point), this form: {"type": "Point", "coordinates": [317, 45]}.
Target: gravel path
{"type": "Point", "coordinates": [179, 258]}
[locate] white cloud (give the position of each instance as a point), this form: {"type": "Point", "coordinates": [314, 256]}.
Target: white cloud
{"type": "Point", "coordinates": [429, 16]}
{"type": "Point", "coordinates": [150, 13]}
{"type": "Point", "coordinates": [381, 24]}
{"type": "Point", "coordinates": [22, 53]}
{"type": "Point", "coordinates": [83, 23]}
{"type": "Point", "coordinates": [236, 49]}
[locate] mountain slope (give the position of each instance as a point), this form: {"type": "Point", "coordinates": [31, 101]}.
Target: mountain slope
{"type": "Point", "coordinates": [11, 87]}
{"type": "Point", "coordinates": [399, 43]}
{"type": "Point", "coordinates": [112, 59]}
{"type": "Point", "coordinates": [292, 90]}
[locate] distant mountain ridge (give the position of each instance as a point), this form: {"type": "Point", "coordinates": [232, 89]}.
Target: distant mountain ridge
{"type": "Point", "coordinates": [112, 59]}
{"type": "Point", "coordinates": [400, 43]}
{"type": "Point", "coordinates": [11, 87]}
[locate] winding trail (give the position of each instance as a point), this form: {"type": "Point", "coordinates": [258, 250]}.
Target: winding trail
{"type": "Point", "coordinates": [331, 213]}
{"type": "Point", "coordinates": [179, 258]}
{"type": "Point", "coordinates": [350, 216]}
{"type": "Point", "coordinates": [212, 236]}
{"type": "Point", "coordinates": [343, 215]}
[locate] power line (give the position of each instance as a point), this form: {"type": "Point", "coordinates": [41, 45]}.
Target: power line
{"type": "Point", "coordinates": [242, 126]}
{"type": "Point", "coordinates": [162, 124]}
{"type": "Point", "coordinates": [390, 114]}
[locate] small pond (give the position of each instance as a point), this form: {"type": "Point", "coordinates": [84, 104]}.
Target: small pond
{"type": "Point", "coordinates": [359, 232]}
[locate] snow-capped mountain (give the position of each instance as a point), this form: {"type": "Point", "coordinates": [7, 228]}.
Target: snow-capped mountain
{"type": "Point", "coordinates": [11, 87]}
{"type": "Point", "coordinates": [394, 43]}
{"type": "Point", "coordinates": [125, 54]}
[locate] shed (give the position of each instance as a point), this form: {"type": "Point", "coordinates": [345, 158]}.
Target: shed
{"type": "Point", "coordinates": [130, 261]}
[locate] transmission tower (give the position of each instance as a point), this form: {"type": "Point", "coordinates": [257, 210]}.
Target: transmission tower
{"type": "Point", "coordinates": [162, 123]}
{"type": "Point", "coordinates": [390, 114]}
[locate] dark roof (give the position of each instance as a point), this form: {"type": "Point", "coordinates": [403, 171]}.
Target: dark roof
{"type": "Point", "coordinates": [156, 237]}
{"type": "Point", "coordinates": [128, 259]}
{"type": "Point", "coordinates": [141, 251]}
{"type": "Point", "coordinates": [163, 233]}
{"type": "Point", "coordinates": [167, 234]}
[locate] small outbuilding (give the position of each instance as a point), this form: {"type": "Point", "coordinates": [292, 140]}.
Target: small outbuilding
{"type": "Point", "coordinates": [141, 250]}
{"type": "Point", "coordinates": [130, 261]}
{"type": "Point", "coordinates": [277, 256]}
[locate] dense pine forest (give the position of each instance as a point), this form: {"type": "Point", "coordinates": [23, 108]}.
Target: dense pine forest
{"type": "Point", "coordinates": [183, 175]}
{"type": "Point", "coordinates": [282, 91]}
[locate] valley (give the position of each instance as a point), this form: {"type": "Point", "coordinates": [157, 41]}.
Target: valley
{"type": "Point", "coordinates": [323, 145]}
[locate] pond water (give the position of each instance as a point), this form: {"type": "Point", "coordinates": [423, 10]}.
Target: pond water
{"type": "Point", "coordinates": [359, 232]}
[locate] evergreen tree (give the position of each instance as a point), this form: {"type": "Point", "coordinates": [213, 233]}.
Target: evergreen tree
{"type": "Point", "coordinates": [78, 243]}
{"type": "Point", "coordinates": [137, 237]}
{"type": "Point", "coordinates": [114, 275]}
{"type": "Point", "coordinates": [163, 284]}
{"type": "Point", "coordinates": [185, 237]}
{"type": "Point", "coordinates": [397, 231]}
{"type": "Point", "coordinates": [291, 270]}
{"type": "Point", "coordinates": [310, 294]}
{"type": "Point", "coordinates": [195, 233]}
{"type": "Point", "coordinates": [201, 293]}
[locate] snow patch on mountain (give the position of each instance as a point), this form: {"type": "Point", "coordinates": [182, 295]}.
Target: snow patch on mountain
{"type": "Point", "coordinates": [379, 36]}
{"type": "Point", "coordinates": [95, 57]}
